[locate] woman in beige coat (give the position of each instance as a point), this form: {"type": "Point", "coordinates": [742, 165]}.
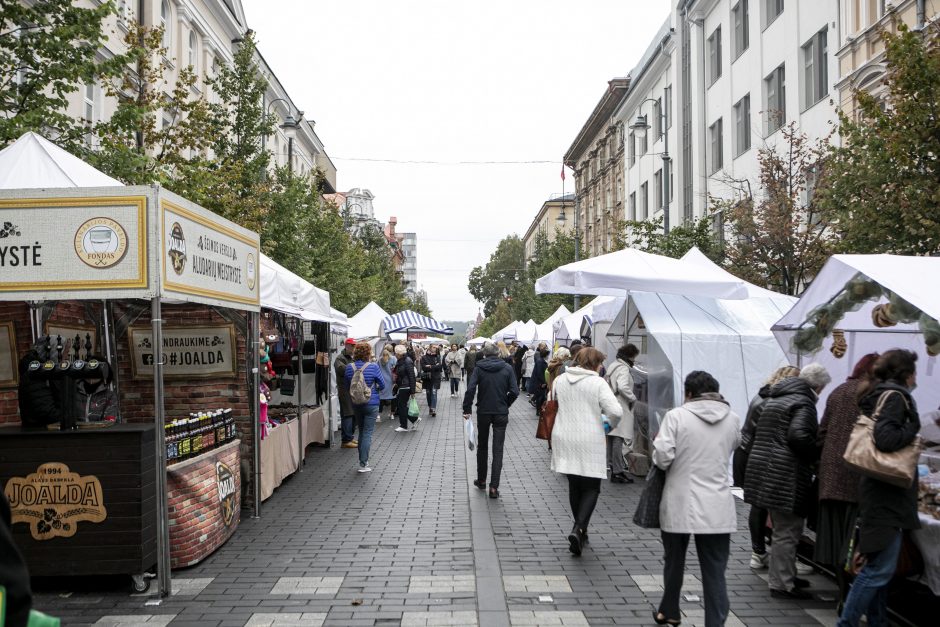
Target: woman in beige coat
{"type": "Point", "coordinates": [620, 438]}
{"type": "Point", "coordinates": [578, 447]}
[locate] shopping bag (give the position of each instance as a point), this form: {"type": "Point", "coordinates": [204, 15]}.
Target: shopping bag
{"type": "Point", "coordinates": [413, 410]}
{"type": "Point", "coordinates": [470, 433]}
{"type": "Point", "coordinates": [647, 510]}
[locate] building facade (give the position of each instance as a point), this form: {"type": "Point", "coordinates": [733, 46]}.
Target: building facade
{"type": "Point", "coordinates": [547, 222]}
{"type": "Point", "coordinates": [409, 266]}
{"type": "Point", "coordinates": [596, 156]}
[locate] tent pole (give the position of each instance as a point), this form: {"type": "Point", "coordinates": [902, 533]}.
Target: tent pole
{"type": "Point", "coordinates": [300, 398]}
{"type": "Point", "coordinates": [254, 383]}
{"type": "Point", "coordinates": [163, 524]}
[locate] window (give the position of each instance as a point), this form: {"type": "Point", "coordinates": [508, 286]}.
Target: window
{"type": "Point", "coordinates": [644, 144]}
{"type": "Point", "coordinates": [716, 160]}
{"type": "Point", "coordinates": [632, 213]}
{"type": "Point", "coordinates": [165, 24]}
{"type": "Point", "coordinates": [742, 126]}
{"type": "Point", "coordinates": [815, 71]}
{"type": "Point", "coordinates": [644, 201]}
{"type": "Point", "coordinates": [657, 119]}
{"type": "Point", "coordinates": [739, 20]}
{"type": "Point", "coordinates": [672, 181]}
{"type": "Point", "coordinates": [667, 104]}
{"type": "Point", "coordinates": [89, 107]}
{"type": "Point", "coordinates": [191, 52]}
{"type": "Point", "coordinates": [776, 108]}
{"type": "Point", "coordinates": [714, 56]}
{"type": "Point", "coordinates": [658, 189]}
{"type": "Point", "coordinates": [631, 149]}
{"type": "Point", "coordinates": [772, 10]}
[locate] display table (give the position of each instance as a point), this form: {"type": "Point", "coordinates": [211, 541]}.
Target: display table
{"type": "Point", "coordinates": [204, 497]}
{"type": "Point", "coordinates": [315, 427]}
{"type": "Point", "coordinates": [83, 502]}
{"type": "Point", "coordinates": [279, 456]}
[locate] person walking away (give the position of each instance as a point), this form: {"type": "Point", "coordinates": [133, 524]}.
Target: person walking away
{"type": "Point", "coordinates": [431, 369]}
{"type": "Point", "coordinates": [494, 384]}
{"type": "Point", "coordinates": [454, 363]}
{"type": "Point", "coordinates": [620, 439]}
{"type": "Point", "coordinates": [346, 413]}
{"type": "Point", "coordinates": [779, 471]}
{"type": "Point", "coordinates": [757, 519]}
{"type": "Point", "coordinates": [693, 446]}
{"type": "Point", "coordinates": [518, 358]}
{"type": "Point", "coordinates": [838, 483]}
{"type": "Point", "coordinates": [387, 364]}
{"type": "Point", "coordinates": [365, 381]}
{"type": "Point", "coordinates": [579, 450]}
{"type": "Point", "coordinates": [504, 353]}
{"type": "Point", "coordinates": [528, 366]}
{"type": "Point", "coordinates": [405, 383]}
{"type": "Point", "coordinates": [470, 361]}
{"type": "Point", "coordinates": [537, 385]}
{"type": "Point", "coordinates": [885, 510]}
{"type": "Point", "coordinates": [557, 365]}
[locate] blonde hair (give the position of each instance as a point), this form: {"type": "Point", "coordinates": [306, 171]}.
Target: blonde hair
{"type": "Point", "coordinates": [400, 349]}
{"type": "Point", "coordinates": [503, 351]}
{"type": "Point", "coordinates": [782, 373]}
{"type": "Point", "coordinates": [386, 354]}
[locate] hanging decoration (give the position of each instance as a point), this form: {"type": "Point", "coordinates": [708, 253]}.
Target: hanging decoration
{"type": "Point", "coordinates": [839, 345]}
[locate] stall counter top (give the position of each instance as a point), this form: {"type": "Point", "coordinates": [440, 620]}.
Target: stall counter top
{"type": "Point", "coordinates": [18, 430]}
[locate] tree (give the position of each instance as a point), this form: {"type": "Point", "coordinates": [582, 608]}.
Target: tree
{"type": "Point", "coordinates": [418, 302]}
{"type": "Point", "coordinates": [48, 50]}
{"type": "Point", "coordinates": [778, 239]}
{"type": "Point", "coordinates": [548, 256]}
{"type": "Point", "coordinates": [496, 321]}
{"type": "Point", "coordinates": [647, 235]}
{"type": "Point", "coordinates": [377, 276]}
{"type": "Point", "coordinates": [882, 185]}
{"type": "Point", "coordinates": [502, 279]}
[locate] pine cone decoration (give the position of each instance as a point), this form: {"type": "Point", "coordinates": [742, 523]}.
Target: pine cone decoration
{"type": "Point", "coordinates": [839, 345]}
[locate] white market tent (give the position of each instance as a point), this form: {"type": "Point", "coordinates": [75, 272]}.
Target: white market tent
{"type": "Point", "coordinates": [568, 328]}
{"type": "Point", "coordinates": [34, 162]}
{"type": "Point", "coordinates": [284, 291]}
{"type": "Point", "coordinates": [543, 332]}
{"type": "Point", "coordinates": [478, 341]}
{"type": "Point", "coordinates": [408, 320]}
{"type": "Point", "coordinates": [507, 331]}
{"type": "Point", "coordinates": [521, 333]}
{"type": "Point", "coordinates": [900, 280]}
{"type": "Point", "coordinates": [367, 322]}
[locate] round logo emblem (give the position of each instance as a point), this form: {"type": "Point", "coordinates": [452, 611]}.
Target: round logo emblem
{"type": "Point", "coordinates": [250, 270]}
{"type": "Point", "coordinates": [177, 248]}
{"type": "Point", "coordinates": [101, 242]}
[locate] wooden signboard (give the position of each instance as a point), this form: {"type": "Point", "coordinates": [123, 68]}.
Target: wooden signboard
{"type": "Point", "coordinates": [201, 352]}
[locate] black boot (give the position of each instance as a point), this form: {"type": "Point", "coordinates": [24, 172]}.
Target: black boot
{"type": "Point", "coordinates": [574, 540]}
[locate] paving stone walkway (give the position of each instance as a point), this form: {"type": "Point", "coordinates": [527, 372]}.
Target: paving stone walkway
{"type": "Point", "coordinates": [414, 543]}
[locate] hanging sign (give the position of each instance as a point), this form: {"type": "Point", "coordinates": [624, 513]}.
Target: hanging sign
{"type": "Point", "coordinates": [53, 500]}
{"type": "Point", "coordinates": [73, 243]}
{"type": "Point", "coordinates": [203, 256]}
{"type": "Point", "coordinates": [188, 353]}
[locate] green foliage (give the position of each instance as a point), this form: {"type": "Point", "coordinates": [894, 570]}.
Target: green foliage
{"type": "Point", "coordinates": [419, 303]}
{"type": "Point", "coordinates": [882, 185]}
{"type": "Point", "coordinates": [47, 51]}
{"type": "Point", "coordinates": [496, 321]}
{"type": "Point", "coordinates": [647, 235]}
{"type": "Point", "coordinates": [502, 279]}
{"type": "Point", "coordinates": [547, 257]}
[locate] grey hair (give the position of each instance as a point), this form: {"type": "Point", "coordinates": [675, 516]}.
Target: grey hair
{"type": "Point", "coordinates": [816, 375]}
{"type": "Point", "coordinates": [400, 349]}
{"type": "Point", "coordinates": [490, 349]}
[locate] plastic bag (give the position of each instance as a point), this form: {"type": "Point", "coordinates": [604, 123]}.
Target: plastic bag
{"type": "Point", "coordinates": [413, 410]}
{"type": "Point", "coordinates": [471, 434]}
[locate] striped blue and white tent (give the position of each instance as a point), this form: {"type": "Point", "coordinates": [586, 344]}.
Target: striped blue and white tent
{"type": "Point", "coordinates": [411, 321]}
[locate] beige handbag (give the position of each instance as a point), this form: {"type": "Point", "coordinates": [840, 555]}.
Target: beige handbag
{"type": "Point", "coordinates": [898, 468]}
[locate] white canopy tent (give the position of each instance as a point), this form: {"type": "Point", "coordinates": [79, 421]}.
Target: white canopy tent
{"type": "Point", "coordinates": [366, 323]}
{"type": "Point", "coordinates": [568, 328]}
{"type": "Point", "coordinates": [478, 341]}
{"type": "Point", "coordinates": [521, 333]}
{"type": "Point", "coordinates": [284, 291]}
{"type": "Point", "coordinates": [544, 332]}
{"type": "Point", "coordinates": [843, 297]}
{"type": "Point", "coordinates": [34, 162]}
{"type": "Point", "coordinates": [405, 321]}
{"type": "Point", "coordinates": [507, 331]}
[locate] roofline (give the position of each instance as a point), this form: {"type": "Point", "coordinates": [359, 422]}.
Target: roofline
{"type": "Point", "coordinates": [616, 90]}
{"type": "Point", "coordinates": [564, 201]}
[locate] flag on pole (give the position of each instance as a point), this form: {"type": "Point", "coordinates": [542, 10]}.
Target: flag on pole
{"type": "Point", "coordinates": [563, 171]}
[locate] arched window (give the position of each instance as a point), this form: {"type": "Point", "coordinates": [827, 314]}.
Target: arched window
{"type": "Point", "coordinates": [165, 24]}
{"type": "Point", "coordinates": [192, 50]}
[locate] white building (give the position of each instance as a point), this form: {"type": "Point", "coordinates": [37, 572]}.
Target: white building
{"type": "Point", "coordinates": [409, 266]}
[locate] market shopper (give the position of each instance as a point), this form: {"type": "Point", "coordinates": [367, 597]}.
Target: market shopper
{"type": "Point", "coordinates": [387, 364]}
{"type": "Point", "coordinates": [518, 362]}
{"type": "Point", "coordinates": [470, 361]}
{"type": "Point", "coordinates": [693, 446]}
{"type": "Point", "coordinates": [494, 384]}
{"type": "Point", "coordinates": [453, 363]}
{"type": "Point", "coordinates": [405, 386]}
{"type": "Point", "coordinates": [885, 510]}
{"type": "Point", "coordinates": [579, 449]}
{"type": "Point", "coordinates": [557, 365]}
{"type": "Point", "coordinates": [346, 413]}
{"type": "Point", "coordinates": [528, 367]}
{"type": "Point", "coordinates": [838, 483]}
{"type": "Point", "coordinates": [431, 372]}
{"type": "Point", "coordinates": [365, 413]}
{"type": "Point", "coordinates": [779, 471]}
{"type": "Point", "coordinates": [620, 439]}
{"type": "Point", "coordinates": [535, 380]}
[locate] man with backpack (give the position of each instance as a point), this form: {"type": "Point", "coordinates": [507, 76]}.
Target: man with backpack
{"type": "Point", "coordinates": [364, 379]}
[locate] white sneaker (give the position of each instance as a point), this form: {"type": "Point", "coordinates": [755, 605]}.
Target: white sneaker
{"type": "Point", "coordinates": [365, 469]}
{"type": "Point", "coordinates": [414, 427]}
{"type": "Point", "coordinates": [378, 420]}
{"type": "Point", "coordinates": [804, 569]}
{"type": "Point", "coordinates": [759, 561]}
{"type": "Point", "coordinates": [400, 429]}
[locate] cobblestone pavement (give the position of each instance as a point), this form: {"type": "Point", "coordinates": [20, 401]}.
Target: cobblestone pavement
{"type": "Point", "coordinates": [414, 543]}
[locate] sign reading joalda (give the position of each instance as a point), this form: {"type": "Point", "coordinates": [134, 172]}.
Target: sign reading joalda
{"type": "Point", "coordinates": [188, 353]}
{"type": "Point", "coordinates": [202, 257]}
{"type": "Point", "coordinates": [50, 244]}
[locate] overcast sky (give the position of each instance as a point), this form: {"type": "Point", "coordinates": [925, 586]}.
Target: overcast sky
{"type": "Point", "coordinates": [445, 81]}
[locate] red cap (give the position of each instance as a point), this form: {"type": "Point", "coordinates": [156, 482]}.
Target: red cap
{"type": "Point", "coordinates": [350, 341]}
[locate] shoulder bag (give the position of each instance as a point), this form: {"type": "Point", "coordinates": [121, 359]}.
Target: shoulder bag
{"type": "Point", "coordinates": [547, 418]}
{"type": "Point", "coordinates": [897, 468]}
{"type": "Point", "coordinates": [647, 510]}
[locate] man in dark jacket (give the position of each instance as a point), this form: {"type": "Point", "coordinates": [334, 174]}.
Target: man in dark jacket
{"type": "Point", "coordinates": [470, 361]}
{"type": "Point", "coordinates": [779, 472]}
{"type": "Point", "coordinates": [346, 412]}
{"type": "Point", "coordinates": [498, 390]}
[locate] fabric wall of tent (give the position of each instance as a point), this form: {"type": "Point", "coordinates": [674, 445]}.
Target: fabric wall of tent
{"type": "Point", "coordinates": [543, 332]}
{"type": "Point", "coordinates": [366, 324]}
{"type": "Point", "coordinates": [568, 328]}
{"type": "Point", "coordinates": [506, 333]}
{"type": "Point", "coordinates": [478, 341]}
{"type": "Point", "coordinates": [874, 303]}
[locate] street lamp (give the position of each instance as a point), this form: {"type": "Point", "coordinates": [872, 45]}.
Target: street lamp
{"type": "Point", "coordinates": [561, 219]}
{"type": "Point", "coordinates": [639, 127]}
{"type": "Point", "coordinates": [289, 126]}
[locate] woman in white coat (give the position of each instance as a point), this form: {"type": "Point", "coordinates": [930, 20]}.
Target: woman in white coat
{"type": "Point", "coordinates": [621, 438]}
{"type": "Point", "coordinates": [578, 446]}
{"type": "Point", "coordinates": [694, 447]}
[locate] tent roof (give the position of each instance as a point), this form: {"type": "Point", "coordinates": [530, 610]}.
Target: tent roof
{"type": "Point", "coordinates": [626, 270]}
{"type": "Point", "coordinates": [366, 323]}
{"type": "Point", "coordinates": [405, 320]}
{"type": "Point", "coordinates": [569, 327]}
{"type": "Point", "coordinates": [506, 330]}
{"type": "Point", "coordinates": [284, 291]}
{"type": "Point", "coordinates": [34, 162]}
{"type": "Point", "coordinates": [698, 258]}
{"type": "Point", "coordinates": [478, 341]}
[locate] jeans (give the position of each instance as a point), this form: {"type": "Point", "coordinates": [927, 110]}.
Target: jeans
{"type": "Point", "coordinates": [713, 549]}
{"type": "Point", "coordinates": [348, 427]}
{"type": "Point", "coordinates": [454, 385]}
{"type": "Point", "coordinates": [365, 417]}
{"type": "Point", "coordinates": [404, 395]}
{"type": "Point", "coordinates": [757, 525]}
{"type": "Point", "coordinates": [788, 528]}
{"type": "Point", "coordinates": [432, 396]}
{"type": "Point", "coordinates": [869, 594]}
{"type": "Point", "coordinates": [615, 458]}
{"type": "Point", "coordinates": [582, 496]}
{"type": "Point", "coordinates": [499, 424]}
